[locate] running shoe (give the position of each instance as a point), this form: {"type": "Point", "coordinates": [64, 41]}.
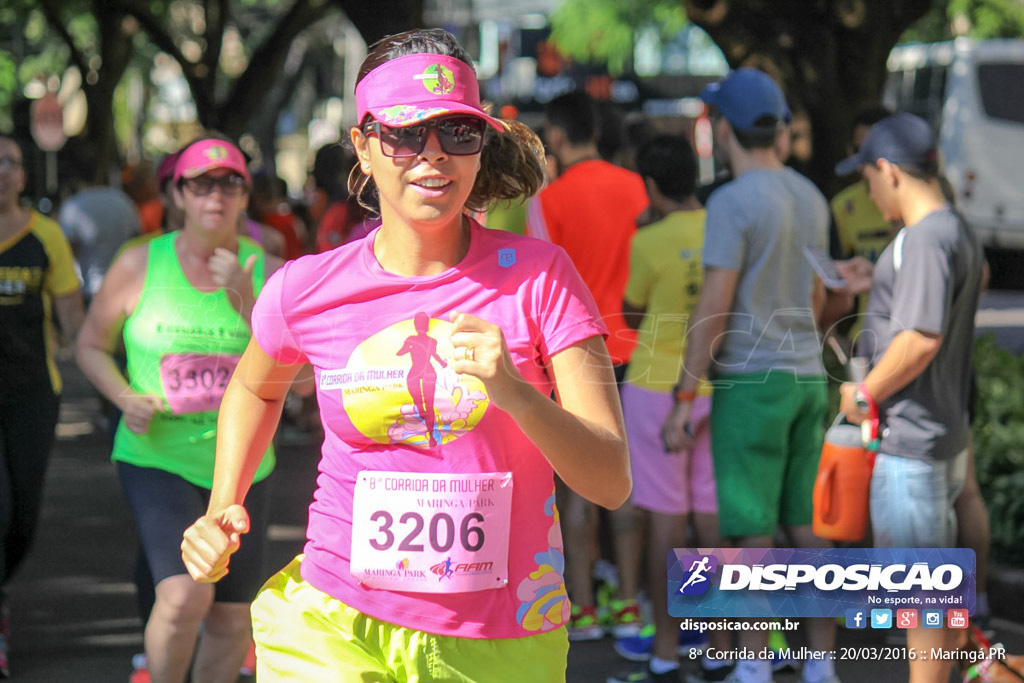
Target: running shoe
{"type": "Point", "coordinates": [140, 674]}
{"type": "Point", "coordinates": [706, 674]}
{"type": "Point", "coordinates": [249, 666]}
{"type": "Point", "coordinates": [5, 672]}
{"type": "Point", "coordinates": [734, 677]}
{"type": "Point", "coordinates": [584, 624]}
{"type": "Point", "coordinates": [782, 664]}
{"type": "Point", "coordinates": [984, 624]}
{"type": "Point", "coordinates": [624, 619]}
{"type": "Point", "coordinates": [5, 632]}
{"type": "Point", "coordinates": [638, 648]}
{"type": "Point", "coordinates": [644, 675]}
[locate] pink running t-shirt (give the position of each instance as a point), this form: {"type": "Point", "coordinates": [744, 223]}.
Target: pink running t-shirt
{"type": "Point", "coordinates": [456, 531]}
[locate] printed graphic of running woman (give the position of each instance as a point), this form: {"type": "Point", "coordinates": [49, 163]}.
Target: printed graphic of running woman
{"type": "Point", "coordinates": [697, 570]}
{"type": "Point", "coordinates": [422, 378]}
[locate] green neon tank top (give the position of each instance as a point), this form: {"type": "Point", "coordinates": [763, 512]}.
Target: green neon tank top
{"type": "Point", "coordinates": [182, 345]}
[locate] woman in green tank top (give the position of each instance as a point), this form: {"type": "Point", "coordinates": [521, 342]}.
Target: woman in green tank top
{"type": "Point", "coordinates": [182, 303]}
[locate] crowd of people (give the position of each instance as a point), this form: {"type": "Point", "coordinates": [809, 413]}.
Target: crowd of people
{"type": "Point", "coordinates": [641, 369]}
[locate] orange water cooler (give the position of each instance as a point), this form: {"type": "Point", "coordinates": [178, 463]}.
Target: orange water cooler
{"type": "Point", "coordinates": [841, 491]}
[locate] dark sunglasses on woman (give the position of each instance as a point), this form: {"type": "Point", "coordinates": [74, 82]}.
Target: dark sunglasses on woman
{"type": "Point", "coordinates": [459, 136]}
{"type": "Point", "coordinates": [202, 186]}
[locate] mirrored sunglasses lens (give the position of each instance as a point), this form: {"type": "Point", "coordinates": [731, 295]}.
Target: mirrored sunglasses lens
{"type": "Point", "coordinates": [462, 135]}
{"type": "Point", "coordinates": [459, 136]}
{"type": "Point", "coordinates": [402, 142]}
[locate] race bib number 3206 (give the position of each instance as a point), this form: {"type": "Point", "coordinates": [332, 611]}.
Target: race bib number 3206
{"type": "Point", "coordinates": [431, 533]}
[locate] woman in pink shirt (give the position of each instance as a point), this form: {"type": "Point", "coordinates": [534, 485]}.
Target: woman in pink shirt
{"type": "Point", "coordinates": [434, 550]}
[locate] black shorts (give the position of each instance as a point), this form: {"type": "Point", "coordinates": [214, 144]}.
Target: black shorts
{"type": "Point", "coordinates": [164, 505]}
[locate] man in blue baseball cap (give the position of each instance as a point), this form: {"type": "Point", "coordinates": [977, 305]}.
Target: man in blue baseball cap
{"type": "Point", "coordinates": [749, 100]}
{"type": "Point", "coordinates": [754, 331]}
{"type": "Point", "coordinates": [920, 333]}
{"type": "Point", "coordinates": [899, 139]}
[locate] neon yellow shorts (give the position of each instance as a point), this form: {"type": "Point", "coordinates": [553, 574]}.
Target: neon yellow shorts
{"type": "Point", "coordinates": [303, 634]}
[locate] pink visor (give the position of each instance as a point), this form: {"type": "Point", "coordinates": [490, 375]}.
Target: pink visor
{"type": "Point", "coordinates": [206, 155]}
{"type": "Point", "coordinates": [418, 87]}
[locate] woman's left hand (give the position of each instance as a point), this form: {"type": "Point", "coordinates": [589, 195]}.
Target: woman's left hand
{"type": "Point", "coordinates": [480, 350]}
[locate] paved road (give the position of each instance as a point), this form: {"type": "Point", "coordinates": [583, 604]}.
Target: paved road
{"type": "Point", "coordinates": [73, 611]}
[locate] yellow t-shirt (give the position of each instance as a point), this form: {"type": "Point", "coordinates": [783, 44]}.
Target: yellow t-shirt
{"type": "Point", "coordinates": [665, 279]}
{"type": "Point", "coordinates": [862, 232]}
{"type": "Point", "coordinates": [510, 217]}
{"type": "Point", "coordinates": [862, 229]}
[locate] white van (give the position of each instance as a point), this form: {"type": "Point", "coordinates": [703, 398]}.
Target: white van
{"type": "Point", "coordinates": [972, 92]}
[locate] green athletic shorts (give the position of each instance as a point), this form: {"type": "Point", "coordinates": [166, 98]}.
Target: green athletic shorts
{"type": "Point", "coordinates": [766, 437]}
{"type": "Point", "coordinates": [304, 635]}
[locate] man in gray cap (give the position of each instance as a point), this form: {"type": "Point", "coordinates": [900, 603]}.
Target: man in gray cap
{"type": "Point", "coordinates": [919, 331]}
{"type": "Point", "coordinates": [754, 333]}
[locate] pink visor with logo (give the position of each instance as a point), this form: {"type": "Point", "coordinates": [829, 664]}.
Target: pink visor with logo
{"type": "Point", "coordinates": [206, 155]}
{"type": "Point", "coordinates": [418, 87]}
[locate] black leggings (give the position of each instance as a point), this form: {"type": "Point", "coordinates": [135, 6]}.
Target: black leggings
{"type": "Point", "coordinates": [164, 505]}
{"type": "Point", "coordinates": [28, 423]}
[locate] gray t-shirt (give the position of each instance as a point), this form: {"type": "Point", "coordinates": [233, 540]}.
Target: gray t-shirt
{"type": "Point", "coordinates": [928, 279]}
{"type": "Point", "coordinates": [97, 221]}
{"type": "Point", "coordinates": [758, 224]}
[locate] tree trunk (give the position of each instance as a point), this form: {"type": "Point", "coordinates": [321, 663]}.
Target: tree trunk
{"type": "Point", "coordinates": [116, 50]}
{"type": "Point", "coordinates": [97, 151]}
{"type": "Point", "coordinates": [828, 55]}
{"type": "Point", "coordinates": [374, 20]}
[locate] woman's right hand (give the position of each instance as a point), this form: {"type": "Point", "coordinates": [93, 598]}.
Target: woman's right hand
{"type": "Point", "coordinates": [139, 409]}
{"type": "Point", "coordinates": [208, 544]}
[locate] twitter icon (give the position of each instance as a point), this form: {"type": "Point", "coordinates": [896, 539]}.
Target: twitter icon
{"type": "Point", "coordinates": [881, 618]}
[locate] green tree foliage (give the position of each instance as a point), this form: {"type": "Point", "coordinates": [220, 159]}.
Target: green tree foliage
{"type": "Point", "coordinates": [999, 445]}
{"type": "Point", "coordinates": [605, 31]}
{"type": "Point", "coordinates": [232, 53]}
{"type": "Point", "coordinates": [990, 18]}
{"type": "Point", "coordinates": [829, 56]}
{"type": "Point", "coordinates": [981, 19]}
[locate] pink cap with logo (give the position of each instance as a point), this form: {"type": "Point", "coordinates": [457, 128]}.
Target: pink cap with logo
{"type": "Point", "coordinates": [206, 155]}
{"type": "Point", "coordinates": [414, 88]}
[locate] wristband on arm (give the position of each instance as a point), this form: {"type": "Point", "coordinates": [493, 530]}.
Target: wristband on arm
{"type": "Point", "coordinates": [681, 396]}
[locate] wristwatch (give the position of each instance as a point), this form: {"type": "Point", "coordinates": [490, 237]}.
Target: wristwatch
{"type": "Point", "coordinates": [863, 398]}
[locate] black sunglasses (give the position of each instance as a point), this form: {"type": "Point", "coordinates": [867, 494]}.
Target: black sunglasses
{"type": "Point", "coordinates": [230, 185]}
{"type": "Point", "coordinates": [459, 136]}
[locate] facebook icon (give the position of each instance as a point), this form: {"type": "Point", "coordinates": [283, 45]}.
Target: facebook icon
{"type": "Point", "coordinates": [856, 618]}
